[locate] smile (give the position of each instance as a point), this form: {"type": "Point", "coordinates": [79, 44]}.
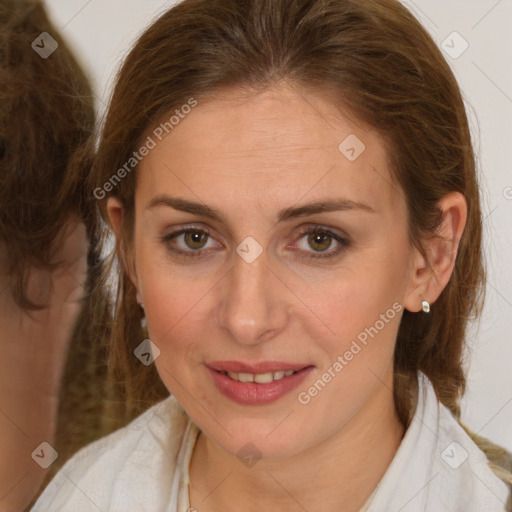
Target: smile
{"type": "Point", "coordinates": [258, 384]}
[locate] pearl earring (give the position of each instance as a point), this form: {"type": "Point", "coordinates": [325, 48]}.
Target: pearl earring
{"type": "Point", "coordinates": [425, 306]}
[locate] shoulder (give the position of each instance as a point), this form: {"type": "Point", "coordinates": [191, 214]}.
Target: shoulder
{"type": "Point", "coordinates": [462, 469]}
{"type": "Point", "coordinates": [134, 460]}
{"type": "Point", "coordinates": [438, 467]}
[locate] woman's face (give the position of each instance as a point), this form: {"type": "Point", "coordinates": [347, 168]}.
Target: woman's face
{"type": "Point", "coordinates": [262, 246]}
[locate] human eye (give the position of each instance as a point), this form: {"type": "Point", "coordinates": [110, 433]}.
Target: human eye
{"type": "Point", "coordinates": [320, 242]}
{"type": "Point", "coordinates": [190, 242]}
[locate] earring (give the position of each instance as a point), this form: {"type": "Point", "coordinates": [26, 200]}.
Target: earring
{"type": "Point", "coordinates": [143, 321]}
{"type": "Point", "coordinates": [425, 306]}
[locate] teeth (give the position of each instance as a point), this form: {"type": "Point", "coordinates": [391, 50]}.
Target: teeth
{"type": "Point", "coordinates": [246, 377]}
{"type": "Point", "coordinates": [260, 378]}
{"type": "Point", "coordinates": [264, 378]}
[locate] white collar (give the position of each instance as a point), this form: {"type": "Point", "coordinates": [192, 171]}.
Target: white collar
{"type": "Point", "coordinates": [437, 467]}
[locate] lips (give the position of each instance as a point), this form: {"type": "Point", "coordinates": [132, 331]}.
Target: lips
{"type": "Point", "coordinates": [261, 383]}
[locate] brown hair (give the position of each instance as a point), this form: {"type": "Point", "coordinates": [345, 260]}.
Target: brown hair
{"type": "Point", "coordinates": [382, 65]}
{"type": "Point", "coordinates": [47, 124]}
{"type": "Point", "coordinates": [46, 119]}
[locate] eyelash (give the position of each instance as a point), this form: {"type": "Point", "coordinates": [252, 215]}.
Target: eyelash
{"type": "Point", "coordinates": [344, 243]}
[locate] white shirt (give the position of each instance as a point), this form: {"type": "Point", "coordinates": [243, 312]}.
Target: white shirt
{"type": "Point", "coordinates": [144, 467]}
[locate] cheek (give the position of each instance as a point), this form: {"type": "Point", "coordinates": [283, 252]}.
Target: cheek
{"type": "Point", "coordinates": [355, 298]}
{"type": "Point", "coordinates": [174, 300]}
{"type": "Point", "coordinates": [177, 324]}
{"type": "Point", "coordinates": [175, 310]}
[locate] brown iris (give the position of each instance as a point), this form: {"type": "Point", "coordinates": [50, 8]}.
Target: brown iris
{"type": "Point", "coordinates": [195, 239]}
{"type": "Point", "coordinates": [319, 241]}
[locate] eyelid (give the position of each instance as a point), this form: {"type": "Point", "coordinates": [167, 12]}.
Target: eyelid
{"type": "Point", "coordinates": [320, 228]}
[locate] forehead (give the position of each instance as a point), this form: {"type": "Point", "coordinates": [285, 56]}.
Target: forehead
{"type": "Point", "coordinates": [284, 142]}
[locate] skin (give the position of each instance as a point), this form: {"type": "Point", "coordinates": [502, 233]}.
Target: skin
{"type": "Point", "coordinates": [34, 347]}
{"type": "Point", "coordinates": [249, 156]}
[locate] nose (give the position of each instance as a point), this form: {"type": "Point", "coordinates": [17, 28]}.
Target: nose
{"type": "Point", "coordinates": [253, 308]}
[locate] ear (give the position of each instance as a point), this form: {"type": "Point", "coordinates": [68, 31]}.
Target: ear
{"type": "Point", "coordinates": [116, 214]}
{"type": "Point", "coordinates": [432, 269]}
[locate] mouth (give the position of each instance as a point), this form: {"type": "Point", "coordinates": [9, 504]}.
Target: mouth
{"type": "Point", "coordinates": [257, 384]}
{"type": "Point", "coordinates": [258, 378]}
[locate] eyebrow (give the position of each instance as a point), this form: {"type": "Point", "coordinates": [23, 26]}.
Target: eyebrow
{"type": "Point", "coordinates": [328, 205]}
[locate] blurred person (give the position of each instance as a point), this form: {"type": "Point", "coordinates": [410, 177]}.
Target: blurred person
{"type": "Point", "coordinates": [48, 259]}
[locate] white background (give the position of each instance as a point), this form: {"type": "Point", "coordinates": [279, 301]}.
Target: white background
{"type": "Point", "coordinates": [102, 31]}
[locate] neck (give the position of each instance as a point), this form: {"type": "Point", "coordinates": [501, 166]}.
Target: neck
{"type": "Point", "coordinates": [338, 474]}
